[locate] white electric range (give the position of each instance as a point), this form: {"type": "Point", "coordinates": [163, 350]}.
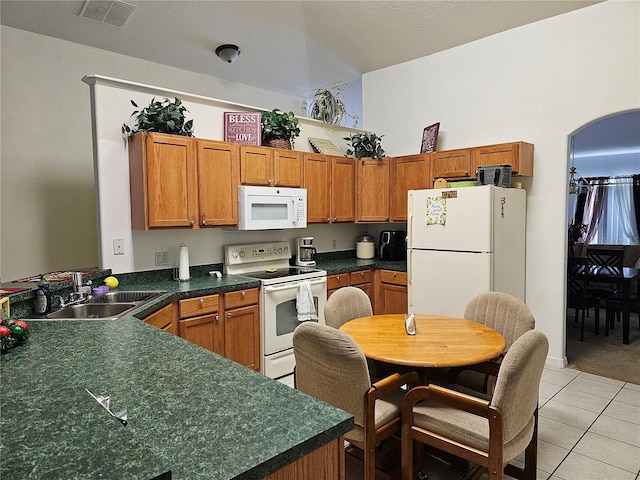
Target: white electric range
{"type": "Point", "coordinates": [269, 263]}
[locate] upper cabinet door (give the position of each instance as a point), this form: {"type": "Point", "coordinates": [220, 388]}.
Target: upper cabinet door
{"type": "Point", "coordinates": [452, 164]}
{"type": "Point", "coordinates": [218, 180]}
{"type": "Point", "coordinates": [172, 198]}
{"type": "Point", "coordinates": [372, 190]}
{"type": "Point", "coordinates": [518, 154]}
{"type": "Point", "coordinates": [256, 166]}
{"type": "Point", "coordinates": [343, 189]}
{"type": "Point", "coordinates": [287, 167]}
{"type": "Point", "coordinates": [410, 172]}
{"type": "Point", "coordinates": [316, 181]}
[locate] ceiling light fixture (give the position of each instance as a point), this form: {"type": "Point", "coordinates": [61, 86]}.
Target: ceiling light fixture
{"type": "Point", "coordinates": [228, 52]}
{"type": "Point", "coordinates": [577, 183]}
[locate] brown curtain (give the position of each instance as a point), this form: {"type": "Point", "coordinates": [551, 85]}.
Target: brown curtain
{"type": "Point", "coordinates": [594, 205]}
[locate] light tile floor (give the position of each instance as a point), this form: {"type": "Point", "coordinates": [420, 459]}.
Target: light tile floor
{"type": "Point", "coordinates": [589, 429]}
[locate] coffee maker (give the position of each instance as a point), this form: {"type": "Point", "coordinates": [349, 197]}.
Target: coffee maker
{"type": "Point", "coordinates": [305, 252]}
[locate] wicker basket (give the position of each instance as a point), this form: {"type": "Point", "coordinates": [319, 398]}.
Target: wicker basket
{"type": "Point", "coordinates": [279, 143]}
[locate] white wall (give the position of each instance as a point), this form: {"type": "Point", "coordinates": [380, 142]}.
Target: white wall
{"type": "Point", "coordinates": [537, 83]}
{"type": "Point", "coordinates": [110, 103]}
{"type": "Point", "coordinates": [48, 216]}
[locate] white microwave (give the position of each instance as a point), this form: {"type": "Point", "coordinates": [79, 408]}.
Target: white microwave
{"type": "Point", "coordinates": [269, 208]}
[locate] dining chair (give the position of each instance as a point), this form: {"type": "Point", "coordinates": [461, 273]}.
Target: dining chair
{"type": "Point", "coordinates": [345, 304]}
{"type": "Point", "coordinates": [505, 314]}
{"type": "Point", "coordinates": [330, 366]}
{"type": "Point", "coordinates": [579, 296]}
{"type": "Point", "coordinates": [605, 261]}
{"type": "Point", "coordinates": [488, 431]}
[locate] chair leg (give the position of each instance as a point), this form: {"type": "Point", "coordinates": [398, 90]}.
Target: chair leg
{"type": "Point", "coordinates": [407, 456]}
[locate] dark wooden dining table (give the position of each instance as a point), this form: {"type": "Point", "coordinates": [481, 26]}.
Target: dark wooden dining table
{"type": "Point", "coordinates": [439, 341]}
{"type": "Point", "coordinates": [624, 282]}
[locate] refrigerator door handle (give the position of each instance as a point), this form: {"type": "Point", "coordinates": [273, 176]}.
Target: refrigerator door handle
{"type": "Point", "coordinates": [409, 280]}
{"type": "Point", "coordinates": [410, 221]}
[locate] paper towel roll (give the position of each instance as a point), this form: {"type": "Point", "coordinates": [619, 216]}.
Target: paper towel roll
{"type": "Point", "coordinates": [183, 264]}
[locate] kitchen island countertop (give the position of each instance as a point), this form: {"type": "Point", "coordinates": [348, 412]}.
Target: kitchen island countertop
{"type": "Point", "coordinates": [190, 411]}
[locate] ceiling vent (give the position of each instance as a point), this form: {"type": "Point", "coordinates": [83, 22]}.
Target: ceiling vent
{"type": "Point", "coordinates": [114, 12]}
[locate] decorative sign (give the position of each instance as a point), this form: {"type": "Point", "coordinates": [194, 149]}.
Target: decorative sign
{"type": "Point", "coordinates": [243, 127]}
{"type": "Point", "coordinates": [436, 209]}
{"type": "Point", "coordinates": [430, 138]}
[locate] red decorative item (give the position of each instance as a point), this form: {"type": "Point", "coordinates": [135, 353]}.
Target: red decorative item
{"type": "Point", "coordinates": [4, 331]}
{"type": "Point", "coordinates": [243, 127]}
{"type": "Point", "coordinates": [23, 324]}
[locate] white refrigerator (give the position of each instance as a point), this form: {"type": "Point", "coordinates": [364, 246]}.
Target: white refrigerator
{"type": "Point", "coordinates": [462, 242]}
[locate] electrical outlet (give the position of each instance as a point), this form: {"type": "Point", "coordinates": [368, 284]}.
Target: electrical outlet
{"type": "Point", "coordinates": [162, 258]}
{"type": "Point", "coordinates": [118, 246]}
{"type": "Point", "coordinates": [333, 244]}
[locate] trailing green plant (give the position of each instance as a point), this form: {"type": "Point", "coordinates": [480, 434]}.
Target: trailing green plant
{"type": "Point", "coordinates": [279, 125]}
{"type": "Point", "coordinates": [328, 106]}
{"type": "Point", "coordinates": [365, 144]}
{"type": "Point", "coordinates": [161, 117]}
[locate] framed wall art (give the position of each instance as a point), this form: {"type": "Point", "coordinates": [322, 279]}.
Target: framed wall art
{"type": "Point", "coordinates": [430, 138]}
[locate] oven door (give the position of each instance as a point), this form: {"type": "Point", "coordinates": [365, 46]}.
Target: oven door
{"type": "Point", "coordinates": [279, 313]}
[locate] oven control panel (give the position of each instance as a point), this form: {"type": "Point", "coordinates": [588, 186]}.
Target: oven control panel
{"type": "Point", "coordinates": [257, 252]}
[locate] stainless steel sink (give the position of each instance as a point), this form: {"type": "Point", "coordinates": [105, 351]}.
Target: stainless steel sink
{"type": "Point", "coordinates": [125, 297]}
{"type": "Point", "coordinates": [95, 310]}
{"type": "Point", "coordinates": [108, 306]}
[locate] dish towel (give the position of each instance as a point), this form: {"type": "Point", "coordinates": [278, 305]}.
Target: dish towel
{"type": "Point", "coordinates": [304, 303]}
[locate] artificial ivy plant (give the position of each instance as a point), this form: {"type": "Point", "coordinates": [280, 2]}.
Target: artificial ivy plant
{"type": "Point", "coordinates": [328, 106]}
{"type": "Point", "coordinates": [160, 117]}
{"type": "Point", "coordinates": [365, 144]}
{"type": "Point", "coordinates": [278, 125]}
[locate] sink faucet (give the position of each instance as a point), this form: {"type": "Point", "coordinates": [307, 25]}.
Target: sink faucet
{"type": "Point", "coordinates": [81, 291]}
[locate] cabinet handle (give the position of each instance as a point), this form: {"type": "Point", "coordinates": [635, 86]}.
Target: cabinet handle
{"type": "Point", "coordinates": [277, 182]}
{"type": "Point", "coordinates": [362, 274]}
{"type": "Point", "coordinates": [335, 219]}
{"type": "Point", "coordinates": [192, 223]}
{"type": "Point", "coordinates": [204, 221]}
{"type": "Point", "coordinates": [328, 220]}
{"type": "Point", "coordinates": [242, 294]}
{"type": "Point", "coordinates": [466, 172]}
{"type": "Point", "coordinates": [337, 277]}
{"type": "Point", "coordinates": [201, 302]}
{"type": "Point", "coordinates": [395, 274]}
{"type": "Point", "coordinates": [269, 181]}
{"type": "Point", "coordinates": [386, 219]}
{"type": "Point", "coordinates": [229, 314]}
{"type": "Point", "coordinates": [217, 317]}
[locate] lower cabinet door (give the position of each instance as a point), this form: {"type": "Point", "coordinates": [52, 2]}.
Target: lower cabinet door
{"type": "Point", "coordinates": [242, 336]}
{"type": "Point", "coordinates": [206, 331]}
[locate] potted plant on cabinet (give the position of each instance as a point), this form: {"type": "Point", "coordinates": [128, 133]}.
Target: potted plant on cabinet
{"type": "Point", "coordinates": [365, 144]}
{"type": "Point", "coordinates": [279, 129]}
{"type": "Point", "coordinates": [328, 106]}
{"type": "Point", "coordinates": [160, 117]}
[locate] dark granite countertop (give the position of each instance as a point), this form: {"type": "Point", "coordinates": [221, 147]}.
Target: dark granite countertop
{"type": "Point", "coordinates": [190, 411]}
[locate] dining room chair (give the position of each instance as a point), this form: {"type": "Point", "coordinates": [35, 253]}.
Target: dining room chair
{"type": "Point", "coordinates": [345, 304]}
{"type": "Point", "coordinates": [507, 315]}
{"type": "Point", "coordinates": [487, 431]}
{"type": "Point", "coordinates": [330, 366]}
{"type": "Point", "coordinates": [580, 298]}
{"type": "Point", "coordinates": [605, 261]}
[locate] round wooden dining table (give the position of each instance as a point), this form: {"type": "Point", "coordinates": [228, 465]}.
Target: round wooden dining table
{"type": "Point", "coordinates": [439, 341]}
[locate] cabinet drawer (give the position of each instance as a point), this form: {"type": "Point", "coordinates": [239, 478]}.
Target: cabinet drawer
{"type": "Point", "coordinates": [192, 307]}
{"type": "Point", "coordinates": [395, 278]}
{"type": "Point", "coordinates": [241, 298]}
{"type": "Point", "coordinates": [163, 318]}
{"type": "Point", "coordinates": [337, 281]}
{"type": "Point", "coordinates": [358, 278]}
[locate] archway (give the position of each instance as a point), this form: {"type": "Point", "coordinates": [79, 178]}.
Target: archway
{"type": "Point", "coordinates": [604, 148]}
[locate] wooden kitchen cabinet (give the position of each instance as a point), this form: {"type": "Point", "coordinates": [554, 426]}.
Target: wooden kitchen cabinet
{"type": "Point", "coordinates": [517, 154]}
{"type": "Point", "coordinates": [336, 281]}
{"type": "Point", "coordinates": [452, 164]}
{"type": "Point", "coordinates": [410, 172]}
{"type": "Point", "coordinates": [463, 163]}
{"type": "Point", "coordinates": [218, 180]}
{"type": "Point", "coordinates": [362, 280]}
{"type": "Point", "coordinates": [372, 190]}
{"type": "Point", "coordinates": [330, 184]}
{"type": "Point", "coordinates": [227, 324]}
{"type": "Point", "coordinates": [163, 181]}
{"type": "Point", "coordinates": [165, 319]}
{"type": "Point", "coordinates": [317, 181]}
{"type": "Point", "coordinates": [391, 292]}
{"type": "Point", "coordinates": [200, 322]}
{"type": "Point", "coordinates": [270, 167]}
{"type": "Point", "coordinates": [242, 327]}
{"type": "Point", "coordinates": [178, 181]}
